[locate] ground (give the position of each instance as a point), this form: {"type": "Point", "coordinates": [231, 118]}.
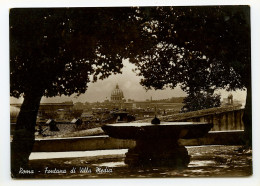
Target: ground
{"type": "Point", "coordinates": [206, 161]}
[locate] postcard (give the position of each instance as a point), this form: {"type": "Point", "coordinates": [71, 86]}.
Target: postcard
{"type": "Point", "coordinates": [130, 92]}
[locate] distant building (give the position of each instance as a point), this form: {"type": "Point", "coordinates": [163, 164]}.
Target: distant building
{"type": "Point", "coordinates": [117, 95]}
{"type": "Point", "coordinates": [58, 111]}
{"type": "Point", "coordinates": [138, 109]}
{"type": "Point", "coordinates": [230, 101]}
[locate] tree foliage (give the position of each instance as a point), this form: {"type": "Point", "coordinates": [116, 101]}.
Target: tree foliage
{"type": "Point", "coordinates": [200, 101]}
{"type": "Point", "coordinates": [199, 48]}
{"type": "Point", "coordinates": [76, 113]}
{"type": "Point", "coordinates": [55, 51]}
{"type": "Point", "coordinates": [204, 46]}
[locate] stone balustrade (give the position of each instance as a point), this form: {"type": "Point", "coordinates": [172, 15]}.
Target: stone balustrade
{"type": "Point", "coordinates": [223, 118]}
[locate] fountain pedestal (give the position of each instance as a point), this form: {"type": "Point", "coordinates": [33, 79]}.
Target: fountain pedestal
{"type": "Point", "coordinates": [157, 145]}
{"type": "Point", "coordinates": [157, 153]}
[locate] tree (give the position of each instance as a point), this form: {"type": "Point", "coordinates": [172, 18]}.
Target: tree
{"type": "Point", "coordinates": [78, 106]}
{"type": "Point", "coordinates": [56, 51]}
{"type": "Point", "coordinates": [50, 115]}
{"type": "Point", "coordinates": [204, 48]}
{"type": "Point", "coordinates": [200, 100]}
{"type": "Point", "coordinates": [76, 113]}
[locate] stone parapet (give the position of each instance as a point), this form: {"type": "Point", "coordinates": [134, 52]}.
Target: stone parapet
{"type": "Point", "coordinates": [104, 142]}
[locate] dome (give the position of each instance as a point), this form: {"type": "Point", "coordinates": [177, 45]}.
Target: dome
{"type": "Point", "coordinates": [117, 94]}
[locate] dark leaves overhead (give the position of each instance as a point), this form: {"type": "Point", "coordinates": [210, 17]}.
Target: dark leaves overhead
{"type": "Point", "coordinates": [56, 50]}
{"type": "Point", "coordinates": [202, 47]}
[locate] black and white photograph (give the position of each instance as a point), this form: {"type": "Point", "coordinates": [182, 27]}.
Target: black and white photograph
{"type": "Point", "coordinates": [130, 92]}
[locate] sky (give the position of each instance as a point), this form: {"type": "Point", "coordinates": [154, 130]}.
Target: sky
{"type": "Point", "coordinates": [128, 82]}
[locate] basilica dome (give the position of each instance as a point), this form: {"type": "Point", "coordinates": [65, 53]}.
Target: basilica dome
{"type": "Point", "coordinates": [117, 94]}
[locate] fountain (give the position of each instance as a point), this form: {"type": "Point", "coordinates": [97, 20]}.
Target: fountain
{"type": "Point", "coordinates": [157, 144]}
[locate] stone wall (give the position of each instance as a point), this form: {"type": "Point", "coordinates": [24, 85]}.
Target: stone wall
{"type": "Point", "coordinates": [80, 144]}
{"type": "Point", "coordinates": [104, 142]}
{"type": "Point", "coordinates": [224, 121]}
{"type": "Point", "coordinates": [223, 118]}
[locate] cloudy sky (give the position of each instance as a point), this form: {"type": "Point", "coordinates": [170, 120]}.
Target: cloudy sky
{"type": "Point", "coordinates": [128, 82]}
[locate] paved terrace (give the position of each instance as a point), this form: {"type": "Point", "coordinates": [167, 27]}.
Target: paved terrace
{"type": "Point", "coordinates": [206, 161]}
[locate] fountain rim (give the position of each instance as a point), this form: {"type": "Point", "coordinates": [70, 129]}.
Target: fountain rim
{"type": "Point", "coordinates": [173, 123]}
{"type": "Point", "coordinates": [165, 130]}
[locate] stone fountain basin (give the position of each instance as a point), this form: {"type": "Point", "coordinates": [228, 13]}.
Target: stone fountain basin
{"type": "Point", "coordinates": [165, 130]}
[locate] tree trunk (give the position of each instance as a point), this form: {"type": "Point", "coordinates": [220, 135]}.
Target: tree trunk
{"type": "Point", "coordinates": [23, 138]}
{"type": "Point", "coordinates": [247, 118]}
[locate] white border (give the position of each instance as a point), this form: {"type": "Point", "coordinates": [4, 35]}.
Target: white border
{"type": "Point", "coordinates": [4, 93]}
